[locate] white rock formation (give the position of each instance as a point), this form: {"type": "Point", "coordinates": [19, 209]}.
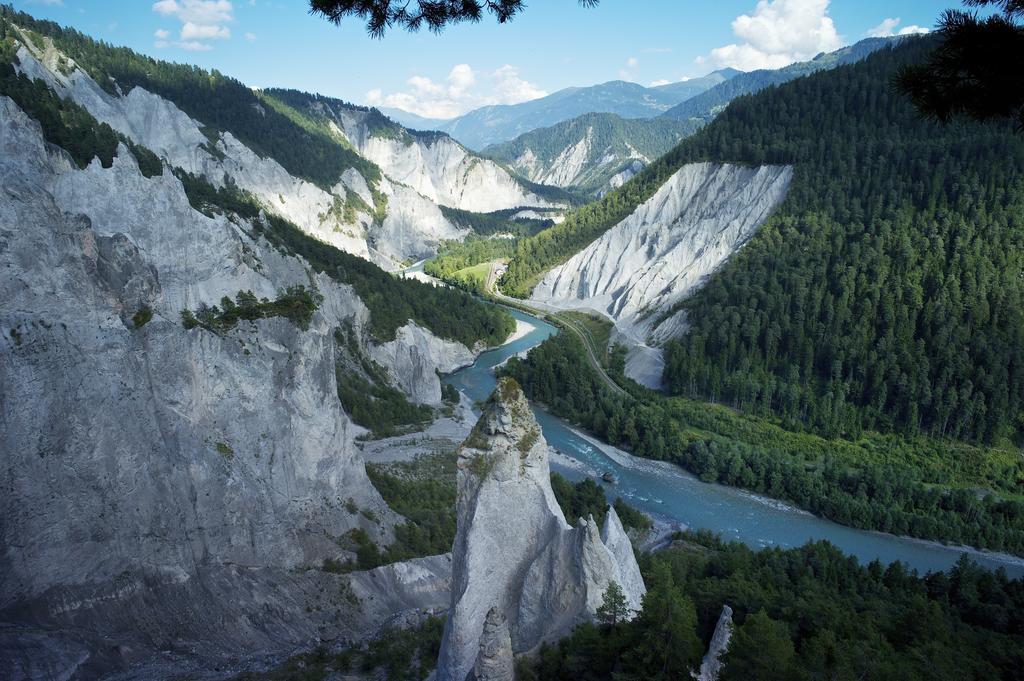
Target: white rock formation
{"type": "Point", "coordinates": [614, 536]}
{"type": "Point", "coordinates": [436, 166]}
{"type": "Point", "coordinates": [494, 660]}
{"type": "Point", "coordinates": [154, 473]}
{"type": "Point", "coordinates": [711, 666]}
{"type": "Point", "coordinates": [514, 550]}
{"type": "Point", "coordinates": [413, 226]}
{"type": "Point", "coordinates": [640, 268]}
{"type": "Point", "coordinates": [414, 358]}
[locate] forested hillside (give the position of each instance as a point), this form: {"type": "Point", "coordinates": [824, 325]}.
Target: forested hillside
{"type": "Point", "coordinates": [919, 487]}
{"type": "Point", "coordinates": [888, 290]}
{"type": "Point", "coordinates": [704, 106]}
{"type": "Point", "coordinates": [885, 293]}
{"type": "Point", "coordinates": [806, 613]}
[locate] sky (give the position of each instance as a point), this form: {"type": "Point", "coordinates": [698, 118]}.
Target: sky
{"type": "Point", "coordinates": [551, 45]}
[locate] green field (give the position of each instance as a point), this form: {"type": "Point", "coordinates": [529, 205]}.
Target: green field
{"type": "Point", "coordinates": [473, 278]}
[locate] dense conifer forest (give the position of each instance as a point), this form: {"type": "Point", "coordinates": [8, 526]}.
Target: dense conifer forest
{"type": "Point", "coordinates": [918, 487]}
{"type": "Point", "coordinates": [886, 291]}
{"type": "Point", "coordinates": [800, 615]}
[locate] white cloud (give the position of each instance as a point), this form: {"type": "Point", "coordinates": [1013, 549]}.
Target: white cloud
{"type": "Point", "coordinates": [883, 29]}
{"type": "Point", "coordinates": [888, 28]}
{"type": "Point", "coordinates": [161, 34]}
{"type": "Point", "coordinates": [201, 21]}
{"type": "Point", "coordinates": [659, 83]}
{"type": "Point", "coordinates": [191, 30]}
{"type": "Point", "coordinates": [250, 36]}
{"type": "Point", "coordinates": [463, 89]}
{"type": "Point", "coordinates": [194, 46]}
{"type": "Point", "coordinates": [509, 88]}
{"type": "Point", "coordinates": [777, 33]}
{"type": "Point", "coordinates": [658, 50]}
{"type": "Point", "coordinates": [197, 11]}
{"type": "Point", "coordinates": [627, 72]}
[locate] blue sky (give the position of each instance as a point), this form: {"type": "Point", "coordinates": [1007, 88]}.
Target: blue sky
{"type": "Point", "coordinates": [552, 45]}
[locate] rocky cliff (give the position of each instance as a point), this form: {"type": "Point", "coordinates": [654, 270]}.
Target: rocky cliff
{"type": "Point", "coordinates": [165, 490]}
{"type": "Point", "coordinates": [593, 153]}
{"type": "Point", "coordinates": [711, 666]}
{"type": "Point", "coordinates": [434, 165]}
{"type": "Point", "coordinates": [638, 270]}
{"type": "Point", "coordinates": [514, 551]}
{"type": "Point", "coordinates": [387, 220]}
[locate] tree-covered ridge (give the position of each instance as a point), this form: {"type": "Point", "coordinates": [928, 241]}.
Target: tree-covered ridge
{"type": "Point", "coordinates": [802, 614]}
{"type": "Point", "coordinates": [218, 101]}
{"type": "Point", "coordinates": [556, 245]}
{"type": "Point", "coordinates": [651, 137]}
{"type": "Point", "coordinates": [916, 487]}
{"type": "Point", "coordinates": [887, 292]}
{"type": "Point", "coordinates": [323, 108]}
{"type": "Point", "coordinates": [606, 133]}
{"type": "Point", "coordinates": [706, 105]}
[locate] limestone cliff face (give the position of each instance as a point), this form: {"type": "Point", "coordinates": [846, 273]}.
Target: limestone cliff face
{"type": "Point", "coordinates": [162, 486]}
{"type": "Point", "coordinates": [494, 661]}
{"type": "Point", "coordinates": [414, 358]}
{"type": "Point", "coordinates": [514, 550]}
{"type": "Point", "coordinates": [436, 166]}
{"type": "Point", "coordinates": [412, 227]}
{"type": "Point", "coordinates": [666, 248]}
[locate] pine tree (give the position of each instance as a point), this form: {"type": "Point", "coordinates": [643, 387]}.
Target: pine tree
{"type": "Point", "coordinates": [613, 608]}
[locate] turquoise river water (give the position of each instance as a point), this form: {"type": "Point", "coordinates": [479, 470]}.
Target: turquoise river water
{"type": "Point", "coordinates": [666, 491]}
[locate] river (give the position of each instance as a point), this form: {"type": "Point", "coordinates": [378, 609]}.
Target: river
{"type": "Point", "coordinates": [668, 492]}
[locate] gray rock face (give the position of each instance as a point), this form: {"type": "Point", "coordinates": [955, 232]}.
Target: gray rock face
{"type": "Point", "coordinates": [413, 226]}
{"type": "Point", "coordinates": [712, 664]}
{"type": "Point", "coordinates": [494, 661]}
{"type": "Point", "coordinates": [513, 549]}
{"type": "Point", "coordinates": [415, 356]}
{"type": "Point", "coordinates": [666, 249]}
{"type": "Point", "coordinates": [163, 488]}
{"type": "Point", "coordinates": [437, 167]}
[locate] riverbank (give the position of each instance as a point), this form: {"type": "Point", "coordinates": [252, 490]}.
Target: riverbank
{"type": "Point", "coordinates": [523, 329]}
{"type": "Point", "coordinates": [665, 490]}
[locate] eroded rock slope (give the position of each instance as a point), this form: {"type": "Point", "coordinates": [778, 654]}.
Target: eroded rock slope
{"type": "Point", "coordinates": [165, 490]}
{"type": "Point", "coordinates": [638, 270]}
{"type": "Point", "coordinates": [515, 556]}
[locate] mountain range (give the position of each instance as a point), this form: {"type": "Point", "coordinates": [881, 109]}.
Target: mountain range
{"type": "Point", "coordinates": [593, 153]}
{"type": "Point", "coordinates": [502, 122]}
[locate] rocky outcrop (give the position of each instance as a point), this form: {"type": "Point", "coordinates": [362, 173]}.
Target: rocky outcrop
{"type": "Point", "coordinates": [414, 358]}
{"type": "Point", "coordinates": [412, 226]}
{"type": "Point", "coordinates": [434, 165]}
{"type": "Point", "coordinates": [494, 661]}
{"type": "Point", "coordinates": [164, 488]}
{"type": "Point", "coordinates": [514, 551]}
{"type": "Point", "coordinates": [711, 666]}
{"type": "Point", "coordinates": [613, 535]}
{"type": "Point", "coordinates": [638, 270]}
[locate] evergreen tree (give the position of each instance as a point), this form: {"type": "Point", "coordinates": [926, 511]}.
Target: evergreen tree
{"type": "Point", "coordinates": [613, 608]}
{"type": "Point", "coordinates": [760, 648]}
